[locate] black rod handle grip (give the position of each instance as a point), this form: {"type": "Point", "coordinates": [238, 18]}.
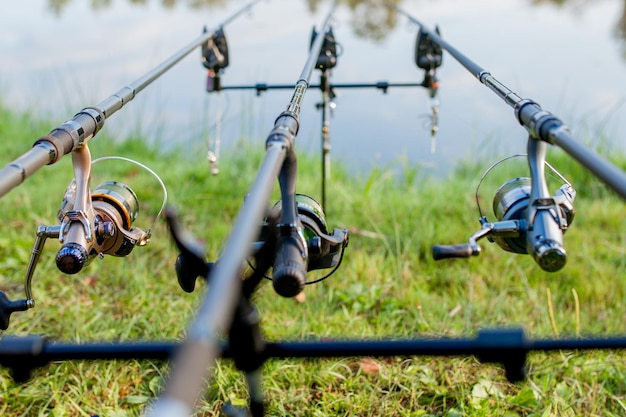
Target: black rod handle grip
{"type": "Point", "coordinates": [290, 267]}
{"type": "Point", "coordinates": [463, 250]}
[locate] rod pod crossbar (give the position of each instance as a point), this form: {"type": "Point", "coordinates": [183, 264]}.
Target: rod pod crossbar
{"type": "Point", "coordinates": [87, 123]}
{"type": "Point", "coordinates": [197, 354]}
{"type": "Point", "coordinates": [539, 123]}
{"type": "Point", "coordinates": [507, 347]}
{"type": "Point", "coordinates": [381, 85]}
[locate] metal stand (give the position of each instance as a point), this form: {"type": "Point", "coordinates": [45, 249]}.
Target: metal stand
{"type": "Point", "coordinates": [507, 347]}
{"type": "Point", "coordinates": [327, 88]}
{"type": "Point", "coordinates": [325, 106]}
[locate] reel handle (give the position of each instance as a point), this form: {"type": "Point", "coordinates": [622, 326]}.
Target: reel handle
{"type": "Point", "coordinates": [188, 271]}
{"type": "Point", "coordinates": [190, 263]}
{"type": "Point", "coordinates": [463, 250]}
{"type": "Point", "coordinates": [7, 307]}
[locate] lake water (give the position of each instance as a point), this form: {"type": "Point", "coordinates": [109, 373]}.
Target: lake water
{"type": "Point", "coordinates": [567, 58]}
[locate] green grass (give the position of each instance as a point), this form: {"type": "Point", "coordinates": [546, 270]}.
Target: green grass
{"type": "Point", "coordinates": [387, 287]}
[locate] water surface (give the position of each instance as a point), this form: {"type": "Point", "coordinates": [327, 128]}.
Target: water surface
{"type": "Point", "coordinates": [61, 56]}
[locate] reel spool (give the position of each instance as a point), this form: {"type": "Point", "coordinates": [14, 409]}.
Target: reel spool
{"type": "Point", "coordinates": [510, 203]}
{"type": "Point", "coordinates": [116, 203]}
{"type": "Point", "coordinates": [120, 196]}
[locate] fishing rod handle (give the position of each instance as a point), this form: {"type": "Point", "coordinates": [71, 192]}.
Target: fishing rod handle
{"type": "Point", "coordinates": [290, 264]}
{"type": "Point", "coordinates": [463, 250]}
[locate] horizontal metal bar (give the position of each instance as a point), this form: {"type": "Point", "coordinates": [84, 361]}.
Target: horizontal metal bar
{"type": "Point", "coordinates": [381, 85]}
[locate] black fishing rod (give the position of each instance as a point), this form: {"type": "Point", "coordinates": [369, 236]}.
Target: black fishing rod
{"type": "Point", "coordinates": [540, 124]}
{"type": "Point", "coordinates": [198, 353]}
{"type": "Point", "coordinates": [88, 122]}
{"type": "Point", "coordinates": [529, 219]}
{"type": "Point", "coordinates": [92, 222]}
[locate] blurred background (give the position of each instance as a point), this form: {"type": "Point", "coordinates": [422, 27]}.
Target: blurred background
{"type": "Point", "coordinates": [58, 56]}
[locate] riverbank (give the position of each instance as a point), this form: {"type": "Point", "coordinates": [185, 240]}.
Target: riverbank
{"type": "Point", "coordinates": [388, 286]}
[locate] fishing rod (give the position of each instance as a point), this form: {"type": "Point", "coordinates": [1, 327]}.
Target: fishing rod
{"type": "Point", "coordinates": [530, 220]}
{"type": "Point", "coordinates": [88, 122]}
{"type": "Point", "coordinates": [225, 305]}
{"type": "Point", "coordinates": [199, 351]}
{"type": "Point", "coordinates": [540, 124]}
{"type": "Point", "coordinates": [94, 222]}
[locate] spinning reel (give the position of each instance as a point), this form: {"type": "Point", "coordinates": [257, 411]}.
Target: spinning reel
{"type": "Point", "coordinates": [323, 251]}
{"type": "Point", "coordinates": [529, 220]}
{"type": "Point", "coordinates": [92, 224]}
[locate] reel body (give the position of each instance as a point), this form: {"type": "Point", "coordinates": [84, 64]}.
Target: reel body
{"type": "Point", "coordinates": [510, 203]}
{"type": "Point", "coordinates": [324, 250]}
{"type": "Point", "coordinates": [115, 207]}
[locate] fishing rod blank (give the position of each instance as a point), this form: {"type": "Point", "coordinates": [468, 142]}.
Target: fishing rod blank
{"type": "Point", "coordinates": [87, 123]}
{"type": "Point", "coordinates": [540, 123]}
{"type": "Point", "coordinates": [192, 362]}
